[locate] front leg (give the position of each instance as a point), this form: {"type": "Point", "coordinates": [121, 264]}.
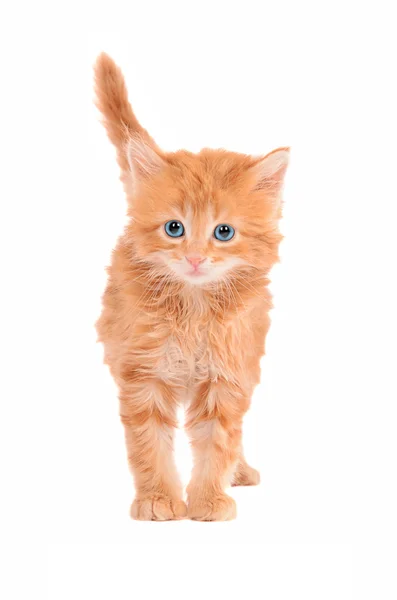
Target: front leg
{"type": "Point", "coordinates": [214, 426]}
{"type": "Point", "coordinates": [148, 413]}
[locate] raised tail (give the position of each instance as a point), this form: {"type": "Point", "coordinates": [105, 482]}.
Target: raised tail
{"type": "Point", "coordinates": [112, 100]}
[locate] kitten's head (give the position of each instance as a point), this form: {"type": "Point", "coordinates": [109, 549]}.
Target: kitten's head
{"type": "Point", "coordinates": [200, 218]}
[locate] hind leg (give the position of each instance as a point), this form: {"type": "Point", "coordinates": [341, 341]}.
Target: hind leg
{"type": "Point", "coordinates": [244, 474]}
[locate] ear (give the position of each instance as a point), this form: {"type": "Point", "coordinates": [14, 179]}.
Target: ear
{"type": "Point", "coordinates": [270, 171]}
{"type": "Point", "coordinates": [143, 161]}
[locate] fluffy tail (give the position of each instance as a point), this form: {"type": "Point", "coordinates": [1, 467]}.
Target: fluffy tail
{"type": "Point", "coordinates": [112, 100]}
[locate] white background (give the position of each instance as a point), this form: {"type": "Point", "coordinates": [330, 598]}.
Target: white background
{"type": "Point", "coordinates": [249, 76]}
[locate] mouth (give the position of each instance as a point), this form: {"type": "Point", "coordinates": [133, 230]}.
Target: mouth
{"type": "Point", "coordinates": [197, 276]}
{"type": "Point", "coordinates": [195, 273]}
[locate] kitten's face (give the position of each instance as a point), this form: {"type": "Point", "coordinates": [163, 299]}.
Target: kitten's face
{"type": "Point", "coordinates": [201, 246]}
{"type": "Point", "coordinates": [201, 218]}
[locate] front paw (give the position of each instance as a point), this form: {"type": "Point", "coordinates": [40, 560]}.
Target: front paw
{"type": "Point", "coordinates": [157, 508]}
{"type": "Point", "coordinates": [215, 508]}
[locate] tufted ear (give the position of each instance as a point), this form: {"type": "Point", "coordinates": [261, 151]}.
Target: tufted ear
{"type": "Point", "coordinates": [143, 161]}
{"type": "Point", "coordinates": [270, 171]}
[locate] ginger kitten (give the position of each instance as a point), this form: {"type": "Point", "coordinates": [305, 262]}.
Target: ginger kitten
{"type": "Point", "coordinates": [185, 311]}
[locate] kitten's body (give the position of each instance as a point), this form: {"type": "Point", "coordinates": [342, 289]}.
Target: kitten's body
{"type": "Point", "coordinates": [173, 336]}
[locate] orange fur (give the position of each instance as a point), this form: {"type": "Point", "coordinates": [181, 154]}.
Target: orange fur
{"type": "Point", "coordinates": [171, 338]}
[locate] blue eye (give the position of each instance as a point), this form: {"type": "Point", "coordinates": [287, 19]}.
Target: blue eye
{"type": "Point", "coordinates": [224, 233]}
{"type": "Point", "coordinates": [174, 229]}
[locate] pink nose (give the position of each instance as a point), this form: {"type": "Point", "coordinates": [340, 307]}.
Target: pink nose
{"type": "Point", "coordinates": [195, 261]}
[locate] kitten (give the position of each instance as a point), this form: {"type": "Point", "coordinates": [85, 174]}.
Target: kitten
{"type": "Point", "coordinates": [185, 311]}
